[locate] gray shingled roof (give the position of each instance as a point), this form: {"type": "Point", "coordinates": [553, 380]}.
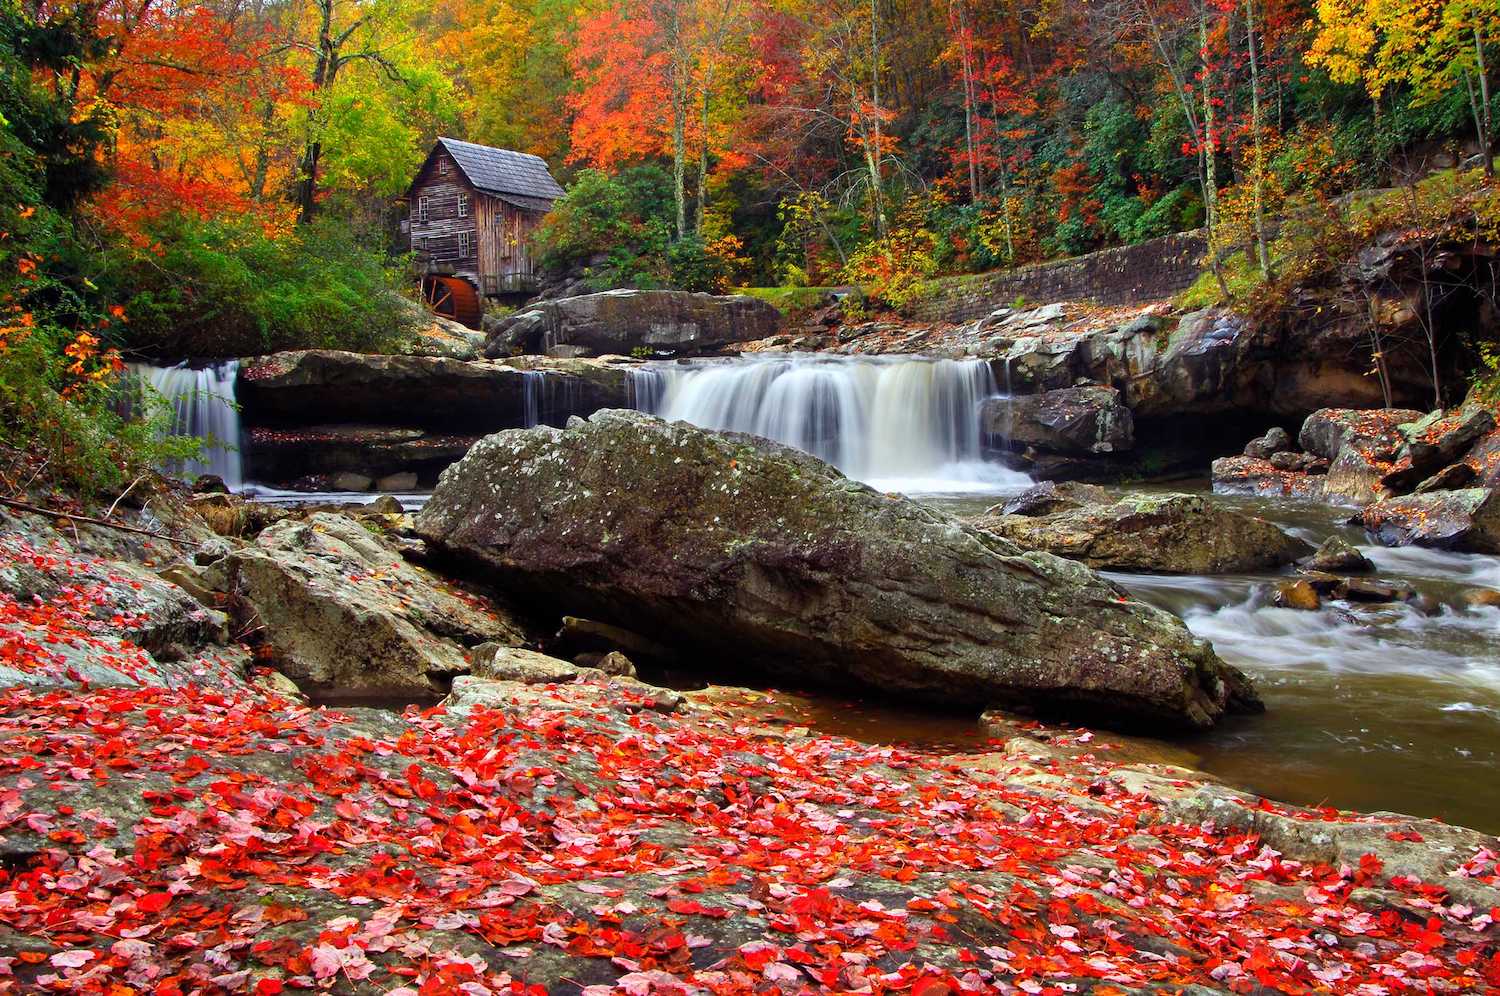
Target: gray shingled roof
{"type": "Point", "coordinates": [521, 179]}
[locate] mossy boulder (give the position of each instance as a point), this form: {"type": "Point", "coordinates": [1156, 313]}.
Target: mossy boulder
{"type": "Point", "coordinates": [742, 554]}
{"type": "Point", "coordinates": [1156, 533]}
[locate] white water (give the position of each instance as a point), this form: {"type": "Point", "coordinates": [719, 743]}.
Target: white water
{"type": "Point", "coordinates": [897, 423]}
{"type": "Point", "coordinates": [202, 400]}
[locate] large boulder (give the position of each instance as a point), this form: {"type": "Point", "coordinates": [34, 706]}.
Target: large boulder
{"type": "Point", "coordinates": [1362, 446]}
{"type": "Point", "coordinates": [1326, 430]}
{"type": "Point", "coordinates": [748, 554]}
{"type": "Point", "coordinates": [1074, 421]}
{"type": "Point", "coordinates": [1467, 520]}
{"type": "Point", "coordinates": [1484, 460]}
{"type": "Point", "coordinates": [342, 613]}
{"type": "Point", "coordinates": [665, 323]}
{"type": "Point", "coordinates": [1157, 533]}
{"type": "Point", "coordinates": [1434, 442]}
{"type": "Point", "coordinates": [326, 386]}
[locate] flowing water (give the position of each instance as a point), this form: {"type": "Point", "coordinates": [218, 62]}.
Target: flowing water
{"type": "Point", "coordinates": [202, 403]}
{"type": "Point", "coordinates": [1369, 708]}
{"type": "Point", "coordinates": [896, 423]}
{"type": "Point", "coordinates": [1372, 708]}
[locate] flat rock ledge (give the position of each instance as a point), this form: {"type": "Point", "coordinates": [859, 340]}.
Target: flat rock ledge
{"type": "Point", "coordinates": [172, 825]}
{"type": "Point", "coordinates": [752, 555]}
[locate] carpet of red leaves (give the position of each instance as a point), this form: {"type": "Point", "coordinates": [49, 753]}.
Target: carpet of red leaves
{"type": "Point", "coordinates": [206, 840]}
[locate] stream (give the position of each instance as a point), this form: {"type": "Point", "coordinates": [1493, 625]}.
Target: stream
{"type": "Point", "coordinates": [1368, 707]}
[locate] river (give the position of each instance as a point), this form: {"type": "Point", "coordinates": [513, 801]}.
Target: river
{"type": "Point", "coordinates": [1369, 708]}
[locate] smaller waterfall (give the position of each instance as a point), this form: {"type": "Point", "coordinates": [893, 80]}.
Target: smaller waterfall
{"type": "Point", "coordinates": [645, 386]}
{"type": "Point", "coordinates": [203, 405]}
{"type": "Point", "coordinates": [533, 384]}
{"type": "Point", "coordinates": [898, 423]}
{"type": "Point", "coordinates": [550, 398]}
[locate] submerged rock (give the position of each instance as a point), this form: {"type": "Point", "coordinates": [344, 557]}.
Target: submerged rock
{"type": "Point", "coordinates": [1467, 520]}
{"type": "Point", "coordinates": [667, 323]}
{"type": "Point", "coordinates": [750, 554]}
{"type": "Point", "coordinates": [1337, 555]}
{"type": "Point", "coordinates": [1166, 533]}
{"type": "Point", "coordinates": [1297, 595]}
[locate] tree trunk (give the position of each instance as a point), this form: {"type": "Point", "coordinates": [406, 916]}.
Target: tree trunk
{"type": "Point", "coordinates": [1210, 159]}
{"type": "Point", "coordinates": [323, 76]}
{"type": "Point", "coordinates": [1262, 250]}
{"type": "Point", "coordinates": [679, 119]}
{"type": "Point", "coordinates": [873, 150]}
{"type": "Point", "coordinates": [1484, 121]}
{"type": "Point", "coordinates": [702, 167]}
{"type": "Point", "coordinates": [966, 62]}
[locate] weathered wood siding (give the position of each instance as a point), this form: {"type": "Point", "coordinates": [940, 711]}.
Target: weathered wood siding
{"type": "Point", "coordinates": [505, 250]}
{"type": "Point", "coordinates": [487, 240]}
{"type": "Point", "coordinates": [446, 239]}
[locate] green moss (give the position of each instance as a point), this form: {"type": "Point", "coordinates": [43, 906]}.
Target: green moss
{"type": "Point", "coordinates": [788, 300]}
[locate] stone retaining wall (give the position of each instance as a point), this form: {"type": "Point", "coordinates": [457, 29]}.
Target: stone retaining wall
{"type": "Point", "coordinates": [1128, 275]}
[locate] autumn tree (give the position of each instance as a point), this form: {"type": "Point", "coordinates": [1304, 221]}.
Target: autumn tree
{"type": "Point", "coordinates": [1426, 45]}
{"type": "Point", "coordinates": [648, 76]}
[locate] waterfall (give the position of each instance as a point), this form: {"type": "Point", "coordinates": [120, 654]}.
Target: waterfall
{"type": "Point", "coordinates": [549, 398]}
{"type": "Point", "coordinates": [533, 383]}
{"type": "Point", "coordinates": [899, 423]}
{"type": "Point", "coordinates": [202, 402]}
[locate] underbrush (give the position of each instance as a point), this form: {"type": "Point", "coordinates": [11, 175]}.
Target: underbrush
{"type": "Point", "coordinates": [221, 288]}
{"type": "Point", "coordinates": [1314, 237]}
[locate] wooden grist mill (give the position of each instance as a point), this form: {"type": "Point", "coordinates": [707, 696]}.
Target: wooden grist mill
{"type": "Point", "coordinates": [473, 210]}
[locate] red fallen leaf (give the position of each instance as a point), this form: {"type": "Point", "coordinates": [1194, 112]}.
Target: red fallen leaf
{"type": "Point", "coordinates": [153, 902]}
{"type": "Point", "coordinates": [931, 987]}
{"type": "Point", "coordinates": [274, 914]}
{"type": "Point", "coordinates": [693, 906]}
{"type": "Point", "coordinates": [268, 987]}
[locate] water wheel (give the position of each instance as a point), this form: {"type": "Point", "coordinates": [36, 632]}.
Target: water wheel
{"type": "Point", "coordinates": [453, 297]}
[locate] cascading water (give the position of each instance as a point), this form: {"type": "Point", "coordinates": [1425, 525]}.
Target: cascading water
{"type": "Point", "coordinates": [202, 401]}
{"type": "Point", "coordinates": [549, 399]}
{"type": "Point", "coordinates": [533, 384]}
{"type": "Point", "coordinates": [900, 423]}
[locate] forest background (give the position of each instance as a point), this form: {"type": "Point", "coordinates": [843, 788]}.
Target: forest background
{"type": "Point", "coordinates": [224, 177]}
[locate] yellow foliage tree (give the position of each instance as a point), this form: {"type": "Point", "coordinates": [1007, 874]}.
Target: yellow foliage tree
{"type": "Point", "coordinates": [1428, 45]}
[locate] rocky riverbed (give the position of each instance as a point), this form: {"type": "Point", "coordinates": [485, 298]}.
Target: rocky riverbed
{"type": "Point", "coordinates": [176, 816]}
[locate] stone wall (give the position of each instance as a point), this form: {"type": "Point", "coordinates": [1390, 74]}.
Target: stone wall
{"type": "Point", "coordinates": [1128, 275]}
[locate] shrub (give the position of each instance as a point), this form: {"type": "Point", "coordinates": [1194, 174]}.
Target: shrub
{"type": "Point", "coordinates": [622, 220]}
{"type": "Point", "coordinates": [891, 270]}
{"type": "Point", "coordinates": [712, 266]}
{"type": "Point", "coordinates": [218, 288]}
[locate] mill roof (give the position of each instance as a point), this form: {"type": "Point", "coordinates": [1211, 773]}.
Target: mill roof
{"type": "Point", "coordinates": [517, 177]}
